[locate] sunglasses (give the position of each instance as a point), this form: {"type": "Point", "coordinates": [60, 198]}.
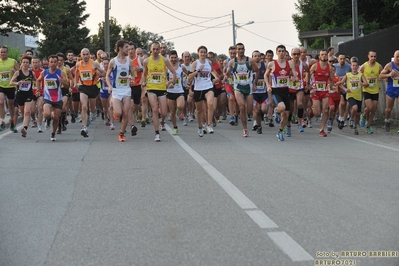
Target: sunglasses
{"type": "Point", "coordinates": [332, 61]}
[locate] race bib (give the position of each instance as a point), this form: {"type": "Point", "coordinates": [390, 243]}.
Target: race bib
{"type": "Point", "coordinates": [320, 85]}
{"type": "Point", "coordinates": [25, 86]}
{"type": "Point", "coordinates": [5, 76]}
{"type": "Point", "coordinates": [395, 82]}
{"type": "Point", "coordinates": [294, 85]}
{"type": "Point", "coordinates": [123, 82]}
{"type": "Point", "coordinates": [242, 77]}
{"type": "Point", "coordinates": [177, 81]}
{"type": "Point", "coordinates": [355, 84]}
{"type": "Point", "coordinates": [86, 75]}
{"type": "Point", "coordinates": [156, 77]}
{"type": "Point", "coordinates": [51, 84]}
{"type": "Point", "coordinates": [282, 81]}
{"type": "Point", "coordinates": [230, 80]}
{"type": "Point", "coordinates": [372, 81]}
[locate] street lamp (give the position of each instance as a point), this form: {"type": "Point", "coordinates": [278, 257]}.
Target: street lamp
{"type": "Point", "coordinates": [237, 26]}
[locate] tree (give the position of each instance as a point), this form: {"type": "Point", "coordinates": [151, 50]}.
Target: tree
{"type": "Point", "coordinates": [97, 41]}
{"type": "Point", "coordinates": [20, 16]}
{"type": "Point", "coordinates": [148, 38]}
{"type": "Point", "coordinates": [316, 15]}
{"type": "Point", "coordinates": [62, 27]}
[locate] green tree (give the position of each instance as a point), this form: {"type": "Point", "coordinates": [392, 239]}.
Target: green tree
{"type": "Point", "coordinates": [97, 41]}
{"type": "Point", "coordinates": [316, 15]}
{"type": "Point", "coordinates": [62, 27]}
{"type": "Point", "coordinates": [20, 16]}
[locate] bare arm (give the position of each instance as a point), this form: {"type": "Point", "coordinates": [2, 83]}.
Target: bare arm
{"type": "Point", "coordinates": [145, 73]}
{"type": "Point", "coordinates": [193, 72]}
{"type": "Point", "coordinates": [267, 78]}
{"type": "Point", "coordinates": [171, 83]}
{"type": "Point", "coordinates": [107, 75]}
{"type": "Point", "coordinates": [386, 72]}
{"type": "Point", "coordinates": [13, 81]}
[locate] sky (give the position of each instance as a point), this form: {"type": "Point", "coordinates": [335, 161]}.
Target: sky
{"type": "Point", "coordinates": [272, 22]}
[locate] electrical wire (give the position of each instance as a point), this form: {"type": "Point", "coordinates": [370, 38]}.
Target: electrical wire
{"type": "Point", "coordinates": [267, 38]}
{"type": "Point", "coordinates": [188, 14]}
{"type": "Point", "coordinates": [216, 26]}
{"type": "Point", "coordinates": [185, 26]}
{"type": "Point", "coordinates": [192, 24]}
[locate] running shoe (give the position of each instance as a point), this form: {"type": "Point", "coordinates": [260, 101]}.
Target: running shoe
{"type": "Point", "coordinates": [181, 116]}
{"type": "Point", "coordinates": [255, 126]}
{"type": "Point", "coordinates": [209, 129]}
{"type": "Point", "coordinates": [249, 117]}
{"type": "Point", "coordinates": [322, 133]}
{"type": "Point", "coordinates": [387, 125]}
{"type": "Point", "coordinates": [362, 121]}
{"type": "Point", "coordinates": [34, 123]}
{"type": "Point", "coordinates": [107, 122]}
{"type": "Point", "coordinates": [134, 130]}
{"type": "Point", "coordinates": [265, 119]}
{"type": "Point", "coordinates": [2, 126]}
{"type": "Point", "coordinates": [303, 123]}
{"type": "Point", "coordinates": [185, 121]}
{"type": "Point", "coordinates": [116, 118]}
{"type": "Point", "coordinates": [310, 123]}
{"type": "Point", "coordinates": [351, 123]}
{"type": "Point", "coordinates": [232, 121]}
{"type": "Point", "coordinates": [111, 127]}
{"type": "Point", "coordinates": [214, 124]}
{"type": "Point", "coordinates": [280, 135]}
{"type": "Point", "coordinates": [73, 119]}
{"type": "Point", "coordinates": [356, 132]}
{"type": "Point", "coordinates": [143, 123]}
{"type": "Point", "coordinates": [301, 129]}
{"type": "Point", "coordinates": [52, 138]}
{"type": "Point", "coordinates": [157, 138]}
{"type": "Point", "coordinates": [175, 131]}
{"type": "Point", "coordinates": [369, 131]}
{"type": "Point", "coordinates": [329, 125]}
{"type": "Point", "coordinates": [341, 124]}
{"type": "Point", "coordinates": [271, 124]}
{"type": "Point", "coordinates": [84, 132]}
{"type": "Point", "coordinates": [200, 132]}
{"type": "Point", "coordinates": [39, 129]}
{"type": "Point", "coordinates": [259, 130]}
{"type": "Point", "coordinates": [14, 129]}
{"type": "Point", "coordinates": [190, 118]}
{"type": "Point", "coordinates": [163, 128]}
{"type": "Point", "coordinates": [224, 117]}
{"type": "Point", "coordinates": [245, 133]}
{"type": "Point", "coordinates": [147, 120]}
{"type": "Point", "coordinates": [23, 132]}
{"type": "Point", "coordinates": [288, 132]}
{"type": "Point", "coordinates": [121, 137]}
{"type": "Point", "coordinates": [277, 117]}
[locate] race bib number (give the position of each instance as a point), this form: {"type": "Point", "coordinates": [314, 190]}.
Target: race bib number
{"type": "Point", "coordinates": [156, 77]}
{"type": "Point", "coordinates": [25, 86]}
{"type": "Point", "coordinates": [355, 84]}
{"type": "Point", "coordinates": [372, 81]}
{"type": "Point", "coordinates": [321, 86]}
{"type": "Point", "coordinates": [282, 81]}
{"type": "Point", "coordinates": [395, 82]}
{"type": "Point", "coordinates": [51, 84]}
{"type": "Point", "coordinates": [294, 85]}
{"type": "Point", "coordinates": [177, 81]}
{"type": "Point", "coordinates": [123, 82]}
{"type": "Point", "coordinates": [86, 75]}
{"type": "Point", "coordinates": [242, 77]}
{"type": "Point", "coordinates": [230, 80]}
{"type": "Point", "coordinates": [5, 76]}
{"type": "Point", "coordinates": [203, 74]}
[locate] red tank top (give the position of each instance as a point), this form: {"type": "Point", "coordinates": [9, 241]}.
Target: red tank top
{"type": "Point", "coordinates": [137, 79]}
{"type": "Point", "coordinates": [216, 67]}
{"type": "Point", "coordinates": [281, 75]}
{"type": "Point", "coordinates": [321, 77]}
{"type": "Point", "coordinates": [37, 75]}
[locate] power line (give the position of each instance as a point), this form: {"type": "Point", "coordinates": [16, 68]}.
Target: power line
{"type": "Point", "coordinates": [192, 24]}
{"type": "Point", "coordinates": [267, 38]}
{"type": "Point", "coordinates": [188, 14]}
{"type": "Point", "coordinates": [186, 26]}
{"type": "Point", "coordinates": [216, 26]}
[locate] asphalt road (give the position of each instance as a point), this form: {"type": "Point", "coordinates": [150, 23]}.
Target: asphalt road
{"type": "Point", "coordinates": [217, 200]}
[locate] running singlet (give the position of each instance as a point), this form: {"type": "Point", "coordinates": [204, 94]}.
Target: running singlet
{"type": "Point", "coordinates": [294, 86]}
{"type": "Point", "coordinates": [281, 76]}
{"type": "Point", "coordinates": [52, 85]}
{"type": "Point", "coordinates": [156, 77]}
{"type": "Point", "coordinates": [137, 74]}
{"type": "Point", "coordinates": [6, 72]}
{"type": "Point", "coordinates": [87, 75]}
{"type": "Point", "coordinates": [121, 74]}
{"type": "Point", "coordinates": [64, 69]}
{"type": "Point", "coordinates": [261, 85]}
{"type": "Point", "coordinates": [372, 76]}
{"type": "Point", "coordinates": [203, 78]}
{"type": "Point", "coordinates": [185, 77]}
{"type": "Point", "coordinates": [393, 83]}
{"type": "Point", "coordinates": [353, 84]}
{"type": "Point", "coordinates": [37, 75]}
{"type": "Point", "coordinates": [26, 81]}
{"type": "Point", "coordinates": [178, 86]}
{"type": "Point", "coordinates": [242, 75]}
{"type": "Point", "coordinates": [321, 77]}
{"type": "Point", "coordinates": [216, 67]}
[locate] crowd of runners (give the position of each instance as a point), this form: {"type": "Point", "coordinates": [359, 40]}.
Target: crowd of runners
{"type": "Point", "coordinates": [280, 88]}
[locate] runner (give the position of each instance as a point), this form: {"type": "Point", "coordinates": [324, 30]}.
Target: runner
{"type": "Point", "coordinates": [189, 109]}
{"type": "Point", "coordinates": [232, 103]}
{"type": "Point", "coordinates": [8, 67]}
{"type": "Point", "coordinates": [65, 92]}
{"type": "Point", "coordinates": [241, 68]}
{"type": "Point", "coordinates": [391, 72]}
{"type": "Point", "coordinates": [122, 70]}
{"type": "Point", "coordinates": [322, 76]}
{"type": "Point", "coordinates": [37, 95]}
{"type": "Point", "coordinates": [86, 75]}
{"type": "Point", "coordinates": [281, 71]}
{"type": "Point", "coordinates": [334, 93]}
{"type": "Point", "coordinates": [154, 80]}
{"type": "Point", "coordinates": [23, 80]}
{"type": "Point", "coordinates": [371, 70]}
{"type": "Point", "coordinates": [52, 79]}
{"type": "Point", "coordinates": [260, 101]}
{"type": "Point", "coordinates": [341, 68]}
{"type": "Point", "coordinates": [135, 86]}
{"type": "Point", "coordinates": [201, 71]}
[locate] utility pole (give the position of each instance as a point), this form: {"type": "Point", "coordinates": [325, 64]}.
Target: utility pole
{"type": "Point", "coordinates": [354, 20]}
{"type": "Point", "coordinates": [234, 28]}
{"type": "Point", "coordinates": [106, 26]}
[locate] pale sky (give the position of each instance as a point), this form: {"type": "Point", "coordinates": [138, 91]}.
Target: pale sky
{"type": "Point", "coordinates": [272, 22]}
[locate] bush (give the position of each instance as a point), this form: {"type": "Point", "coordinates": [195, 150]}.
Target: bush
{"type": "Point", "coordinates": [14, 53]}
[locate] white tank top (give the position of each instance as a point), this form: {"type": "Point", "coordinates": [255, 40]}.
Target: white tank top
{"type": "Point", "coordinates": [121, 74]}
{"type": "Point", "coordinates": [178, 88]}
{"type": "Point", "coordinates": [203, 79]}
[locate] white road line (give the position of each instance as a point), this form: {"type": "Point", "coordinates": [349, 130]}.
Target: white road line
{"type": "Point", "coordinates": [289, 246]}
{"type": "Point", "coordinates": [9, 132]}
{"type": "Point", "coordinates": [281, 239]}
{"type": "Point", "coordinates": [261, 219]}
{"type": "Point", "coordinates": [366, 142]}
